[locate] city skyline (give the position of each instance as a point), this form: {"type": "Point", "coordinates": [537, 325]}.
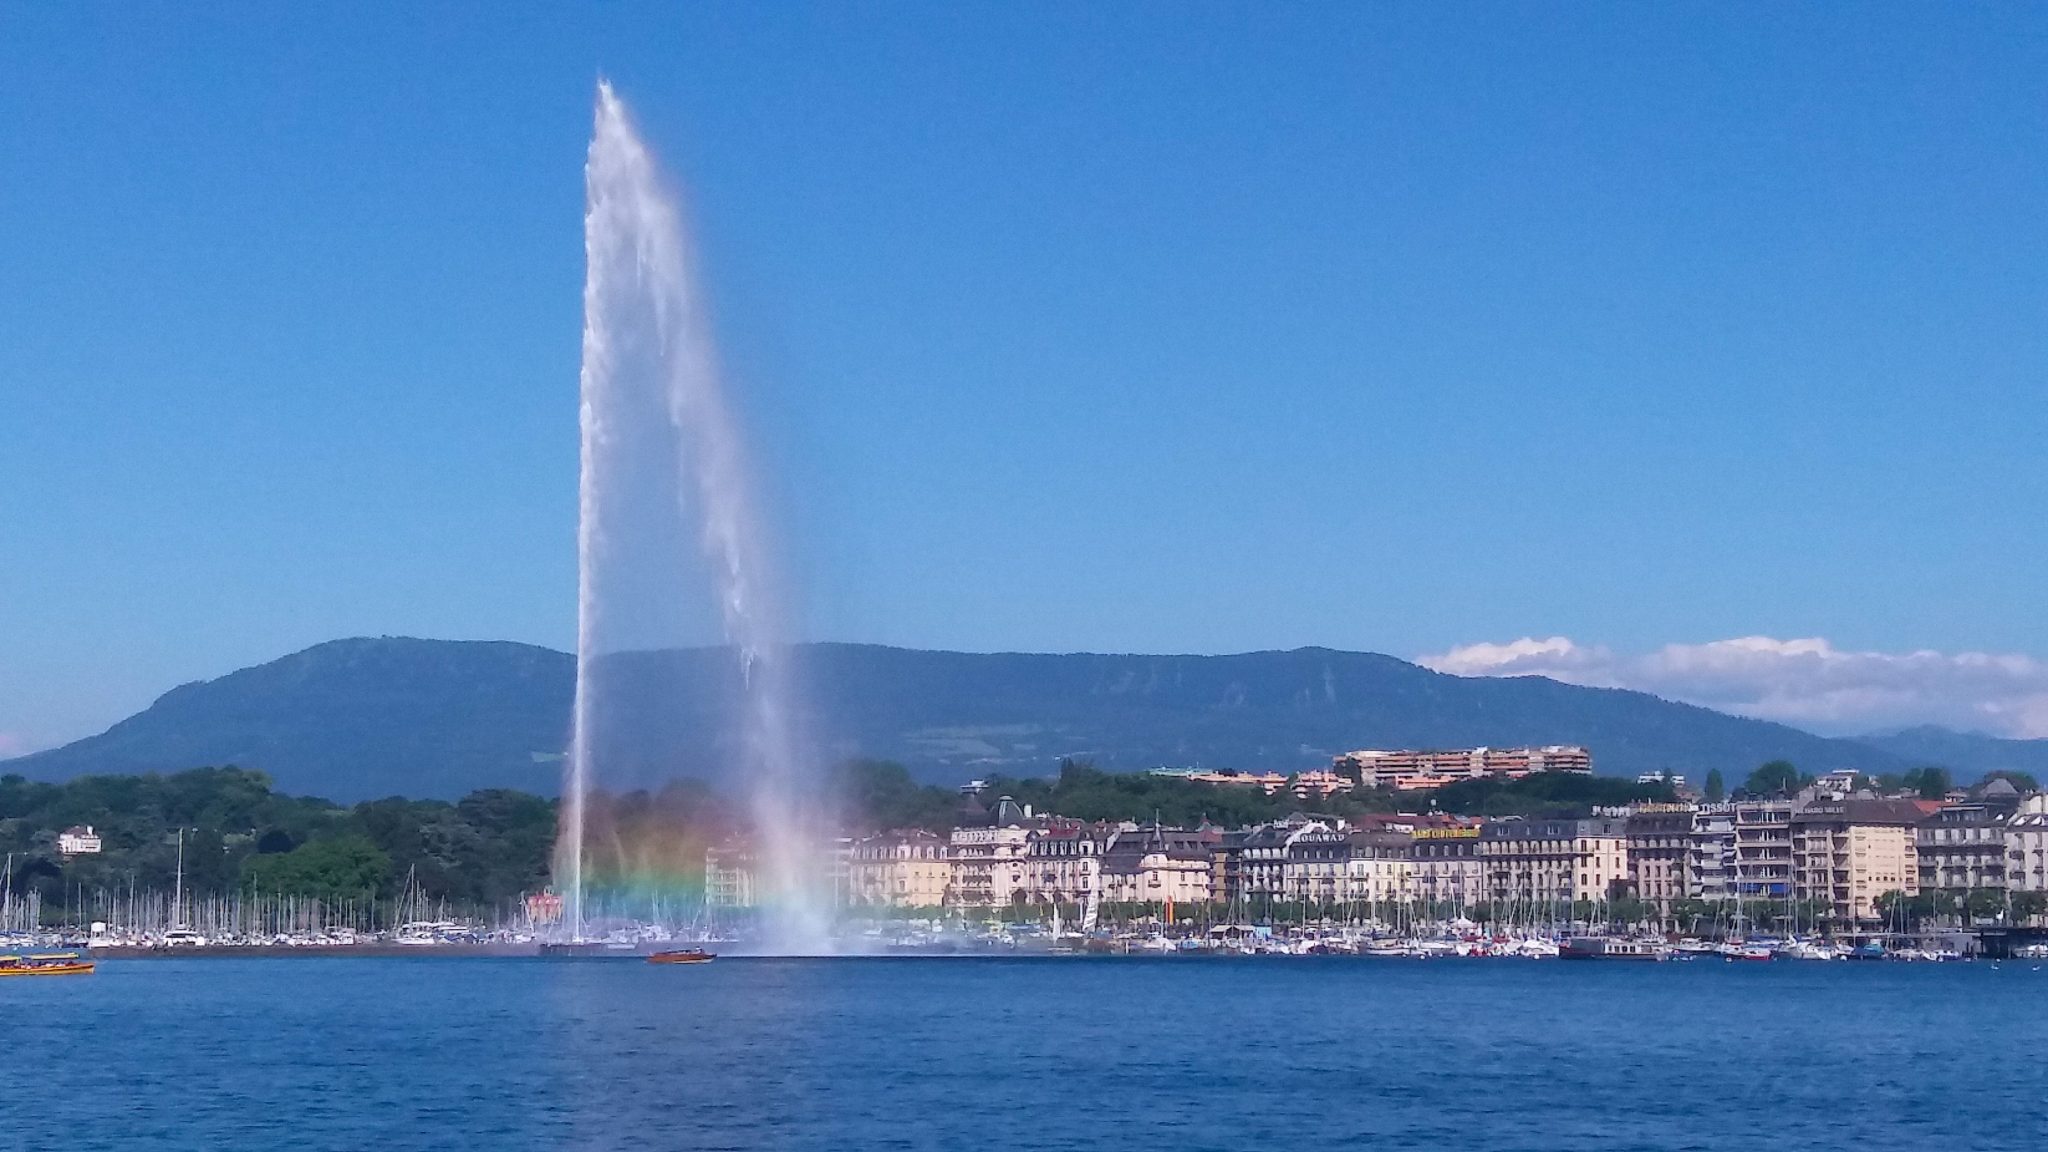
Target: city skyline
{"type": "Point", "coordinates": [1664, 351]}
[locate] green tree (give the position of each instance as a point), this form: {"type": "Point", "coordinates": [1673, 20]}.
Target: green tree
{"type": "Point", "coordinates": [336, 868]}
{"type": "Point", "coordinates": [236, 831]}
{"type": "Point", "coordinates": [1544, 794]}
{"type": "Point", "coordinates": [1930, 783]}
{"type": "Point", "coordinates": [1086, 792]}
{"type": "Point", "coordinates": [1773, 778]}
{"type": "Point", "coordinates": [1984, 903]}
{"type": "Point", "coordinates": [880, 796]}
{"type": "Point", "coordinates": [1716, 788]}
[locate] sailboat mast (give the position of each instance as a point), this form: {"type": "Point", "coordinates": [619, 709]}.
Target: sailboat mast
{"type": "Point", "coordinates": [178, 886]}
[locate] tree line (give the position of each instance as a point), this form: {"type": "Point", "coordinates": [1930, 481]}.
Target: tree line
{"type": "Point", "coordinates": [1783, 778]}
{"type": "Point", "coordinates": [879, 795]}
{"type": "Point", "coordinates": [239, 833]}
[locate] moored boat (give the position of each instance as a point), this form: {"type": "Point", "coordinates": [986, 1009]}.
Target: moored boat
{"type": "Point", "coordinates": [1613, 948]}
{"type": "Point", "coordinates": [45, 964]}
{"type": "Point", "coordinates": [682, 956]}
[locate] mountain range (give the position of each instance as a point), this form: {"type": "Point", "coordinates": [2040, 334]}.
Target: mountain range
{"type": "Point", "coordinates": [1967, 753]}
{"type": "Point", "coordinates": [368, 717]}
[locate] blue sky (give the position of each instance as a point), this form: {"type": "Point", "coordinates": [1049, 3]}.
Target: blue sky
{"type": "Point", "coordinates": [1168, 327]}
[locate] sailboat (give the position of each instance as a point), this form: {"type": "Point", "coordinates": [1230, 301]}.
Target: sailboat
{"type": "Point", "coordinates": [414, 929]}
{"type": "Point", "coordinates": [178, 935]}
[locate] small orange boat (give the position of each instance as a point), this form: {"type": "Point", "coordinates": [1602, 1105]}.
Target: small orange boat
{"type": "Point", "coordinates": [47, 964]}
{"type": "Point", "coordinates": [682, 956]}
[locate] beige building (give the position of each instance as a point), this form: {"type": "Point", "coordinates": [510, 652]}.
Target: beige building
{"type": "Point", "coordinates": [989, 859]}
{"type": "Point", "coordinates": [1380, 868]}
{"type": "Point", "coordinates": [1317, 859]}
{"type": "Point", "coordinates": [900, 870]}
{"type": "Point", "coordinates": [1063, 861]}
{"type": "Point", "coordinates": [1446, 867]}
{"type": "Point", "coordinates": [1153, 865]}
{"type": "Point", "coordinates": [1411, 769]}
{"type": "Point", "coordinates": [1318, 783]}
{"type": "Point", "coordinates": [1600, 857]}
{"type": "Point", "coordinates": [1660, 850]}
{"type": "Point", "coordinates": [1546, 863]}
{"type": "Point", "coordinates": [1847, 853]}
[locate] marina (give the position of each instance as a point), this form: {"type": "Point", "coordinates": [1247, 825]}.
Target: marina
{"type": "Point", "coordinates": [940, 939]}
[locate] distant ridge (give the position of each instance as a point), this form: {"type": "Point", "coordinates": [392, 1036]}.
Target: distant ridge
{"type": "Point", "coordinates": [1968, 754]}
{"type": "Point", "coordinates": [358, 718]}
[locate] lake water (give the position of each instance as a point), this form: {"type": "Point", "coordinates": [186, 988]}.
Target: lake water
{"type": "Point", "coordinates": [433, 1053]}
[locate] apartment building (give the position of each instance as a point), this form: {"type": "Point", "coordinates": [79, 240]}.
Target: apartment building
{"type": "Point", "coordinates": [1963, 846]}
{"type": "Point", "coordinates": [1600, 858]}
{"type": "Point", "coordinates": [1318, 860]}
{"type": "Point", "coordinates": [1446, 865]}
{"type": "Point", "coordinates": [1849, 852]}
{"type": "Point", "coordinates": [989, 858]}
{"type": "Point", "coordinates": [2026, 846]}
{"type": "Point", "coordinates": [1551, 862]}
{"type": "Point", "coordinates": [1262, 863]}
{"type": "Point", "coordinates": [1264, 855]}
{"type": "Point", "coordinates": [1317, 784]}
{"type": "Point", "coordinates": [1063, 860]}
{"type": "Point", "coordinates": [1660, 853]}
{"type": "Point", "coordinates": [1379, 868]}
{"type": "Point", "coordinates": [1155, 865]}
{"type": "Point", "coordinates": [1710, 866]}
{"type": "Point", "coordinates": [899, 870]}
{"type": "Point", "coordinates": [1763, 849]}
{"type": "Point", "coordinates": [1413, 769]}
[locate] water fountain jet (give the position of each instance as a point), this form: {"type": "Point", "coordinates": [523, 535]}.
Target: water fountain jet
{"type": "Point", "coordinates": [648, 361]}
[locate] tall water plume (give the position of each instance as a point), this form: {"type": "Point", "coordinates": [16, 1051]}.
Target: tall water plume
{"type": "Point", "coordinates": [651, 391]}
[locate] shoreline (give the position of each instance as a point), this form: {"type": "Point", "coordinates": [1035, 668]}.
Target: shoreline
{"type": "Point", "coordinates": [535, 952]}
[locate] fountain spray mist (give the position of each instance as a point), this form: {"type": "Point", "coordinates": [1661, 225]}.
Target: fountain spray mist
{"type": "Point", "coordinates": [646, 338]}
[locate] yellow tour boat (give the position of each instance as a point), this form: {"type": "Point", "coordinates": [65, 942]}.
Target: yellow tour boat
{"type": "Point", "coordinates": [45, 964]}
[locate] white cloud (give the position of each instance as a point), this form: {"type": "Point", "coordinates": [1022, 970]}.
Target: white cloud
{"type": "Point", "coordinates": [1557, 658]}
{"type": "Point", "coordinates": [1808, 682]}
